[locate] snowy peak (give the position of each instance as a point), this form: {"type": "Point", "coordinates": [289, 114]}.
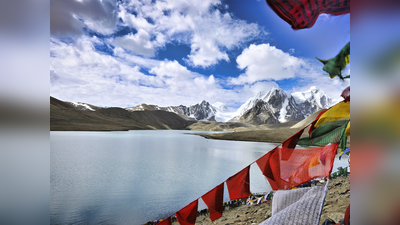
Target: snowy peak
{"type": "Point", "coordinates": [273, 97]}
{"type": "Point", "coordinates": [283, 107]}
{"type": "Point", "coordinates": [221, 107]}
{"type": "Point", "coordinates": [82, 106]}
{"type": "Point", "coordinates": [201, 111]}
{"type": "Point", "coordinates": [313, 95]}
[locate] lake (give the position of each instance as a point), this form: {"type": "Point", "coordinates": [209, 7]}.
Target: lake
{"type": "Point", "coordinates": [136, 176]}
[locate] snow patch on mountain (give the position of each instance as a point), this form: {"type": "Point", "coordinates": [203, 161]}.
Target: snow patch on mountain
{"type": "Point", "coordinates": [221, 107]}
{"type": "Point", "coordinates": [82, 106]}
{"type": "Point", "coordinates": [283, 112]}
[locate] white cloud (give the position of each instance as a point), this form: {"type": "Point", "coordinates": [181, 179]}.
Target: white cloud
{"type": "Point", "coordinates": [138, 43]}
{"type": "Point", "coordinates": [312, 75]}
{"type": "Point", "coordinates": [69, 17]}
{"type": "Point", "coordinates": [209, 32]}
{"type": "Point", "coordinates": [265, 62]}
{"type": "Point", "coordinates": [199, 24]}
{"type": "Point", "coordinates": [79, 73]}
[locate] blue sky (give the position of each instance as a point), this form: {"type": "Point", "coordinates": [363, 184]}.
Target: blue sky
{"type": "Point", "coordinates": [171, 52]}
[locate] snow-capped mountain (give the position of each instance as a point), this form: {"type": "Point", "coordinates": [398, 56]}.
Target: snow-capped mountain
{"type": "Point", "coordinates": [202, 111]}
{"type": "Point", "coordinates": [83, 106]}
{"type": "Point", "coordinates": [276, 106]}
{"type": "Point", "coordinates": [223, 113]}
{"type": "Point", "coordinates": [221, 107]}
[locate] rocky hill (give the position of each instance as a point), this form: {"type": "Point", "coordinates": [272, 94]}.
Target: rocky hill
{"type": "Point", "coordinates": [70, 116]}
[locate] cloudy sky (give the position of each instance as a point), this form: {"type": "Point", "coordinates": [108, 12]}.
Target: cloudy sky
{"type": "Point", "coordinates": [171, 52]}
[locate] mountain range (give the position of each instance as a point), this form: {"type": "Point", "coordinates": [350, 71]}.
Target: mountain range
{"type": "Point", "coordinates": [202, 111]}
{"type": "Point", "coordinates": [277, 106]}
{"type": "Point", "coordinates": [268, 107]}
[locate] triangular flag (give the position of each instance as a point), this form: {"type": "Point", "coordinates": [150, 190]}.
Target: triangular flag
{"type": "Point", "coordinates": [290, 144]}
{"type": "Point", "coordinates": [188, 215]}
{"type": "Point", "coordinates": [239, 184]}
{"type": "Point", "coordinates": [292, 141]}
{"type": "Point", "coordinates": [166, 221]}
{"type": "Point", "coordinates": [214, 200]}
{"type": "Point", "coordinates": [265, 167]}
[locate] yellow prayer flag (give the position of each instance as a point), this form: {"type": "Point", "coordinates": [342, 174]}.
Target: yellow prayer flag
{"type": "Point", "coordinates": [336, 112]}
{"type": "Point", "coordinates": [347, 131]}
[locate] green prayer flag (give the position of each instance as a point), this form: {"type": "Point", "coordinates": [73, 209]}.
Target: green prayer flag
{"type": "Point", "coordinates": [335, 65]}
{"type": "Point", "coordinates": [332, 132]}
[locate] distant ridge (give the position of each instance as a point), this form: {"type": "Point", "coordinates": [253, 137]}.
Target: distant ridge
{"type": "Point", "coordinates": [67, 116]}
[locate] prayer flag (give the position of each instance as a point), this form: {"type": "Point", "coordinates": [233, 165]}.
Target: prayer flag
{"type": "Point", "coordinates": [335, 65]}
{"type": "Point", "coordinates": [346, 94]}
{"type": "Point", "coordinates": [303, 13]}
{"type": "Point", "coordinates": [214, 200]}
{"type": "Point", "coordinates": [166, 221]}
{"type": "Point", "coordinates": [266, 169]}
{"type": "Point", "coordinates": [333, 132]}
{"type": "Point", "coordinates": [291, 143]}
{"type": "Point", "coordinates": [336, 112]}
{"type": "Point", "coordinates": [239, 184]}
{"type": "Point", "coordinates": [312, 127]}
{"type": "Point", "coordinates": [301, 167]}
{"type": "Point", "coordinates": [188, 215]}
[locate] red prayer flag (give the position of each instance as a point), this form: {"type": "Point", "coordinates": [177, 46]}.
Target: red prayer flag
{"type": "Point", "coordinates": [265, 168]}
{"type": "Point", "coordinates": [239, 184]}
{"type": "Point", "coordinates": [291, 143]}
{"type": "Point", "coordinates": [214, 200]}
{"type": "Point", "coordinates": [303, 13]}
{"type": "Point", "coordinates": [300, 167]}
{"type": "Point", "coordinates": [188, 215]}
{"type": "Point", "coordinates": [346, 94]}
{"type": "Point", "coordinates": [166, 221]}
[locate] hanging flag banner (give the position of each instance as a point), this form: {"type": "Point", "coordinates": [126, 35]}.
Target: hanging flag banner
{"type": "Point", "coordinates": [265, 168]}
{"type": "Point", "coordinates": [302, 166]}
{"type": "Point", "coordinates": [336, 112]}
{"type": "Point", "coordinates": [312, 127]}
{"type": "Point", "coordinates": [333, 132]}
{"type": "Point", "coordinates": [292, 141]}
{"type": "Point", "coordinates": [166, 221]}
{"type": "Point", "coordinates": [344, 152]}
{"type": "Point", "coordinates": [335, 65]}
{"type": "Point", "coordinates": [347, 131]}
{"type": "Point", "coordinates": [239, 184]}
{"type": "Point", "coordinates": [290, 144]}
{"type": "Point", "coordinates": [346, 94]}
{"type": "Point", "coordinates": [214, 200]}
{"type": "Point", "coordinates": [188, 215]}
{"type": "Point", "coordinates": [303, 13]}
